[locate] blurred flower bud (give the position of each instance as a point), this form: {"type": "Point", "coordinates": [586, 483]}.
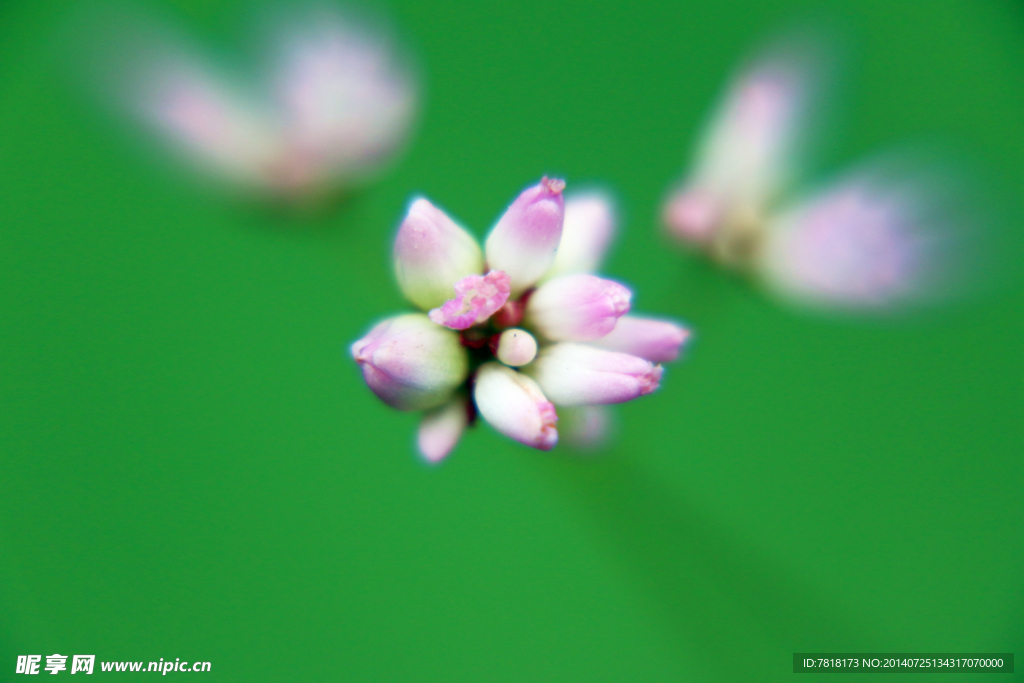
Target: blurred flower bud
{"type": "Point", "coordinates": [658, 341]}
{"type": "Point", "coordinates": [863, 244]}
{"type": "Point", "coordinates": [586, 427]}
{"type": "Point", "coordinates": [693, 215]}
{"type": "Point", "coordinates": [337, 102]}
{"type": "Point", "coordinates": [347, 100]}
{"type": "Point", "coordinates": [441, 429]}
{"type": "Point", "coordinates": [586, 234]}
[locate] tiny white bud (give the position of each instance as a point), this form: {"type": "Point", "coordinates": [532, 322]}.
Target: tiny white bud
{"type": "Point", "coordinates": [516, 347]}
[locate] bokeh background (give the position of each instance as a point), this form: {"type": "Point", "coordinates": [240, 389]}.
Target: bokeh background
{"type": "Point", "coordinates": [191, 466]}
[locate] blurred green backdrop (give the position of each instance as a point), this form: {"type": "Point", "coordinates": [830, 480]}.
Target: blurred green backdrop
{"type": "Point", "coordinates": [192, 466]}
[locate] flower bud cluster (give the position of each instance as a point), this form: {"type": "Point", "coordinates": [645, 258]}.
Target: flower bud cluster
{"type": "Point", "coordinates": [515, 330]}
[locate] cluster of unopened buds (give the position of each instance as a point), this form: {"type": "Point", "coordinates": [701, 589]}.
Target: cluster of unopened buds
{"type": "Point", "coordinates": [515, 331]}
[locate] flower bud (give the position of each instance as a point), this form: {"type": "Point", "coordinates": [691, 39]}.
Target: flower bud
{"type": "Point", "coordinates": [577, 307]}
{"type": "Point", "coordinates": [577, 375]}
{"type": "Point", "coordinates": [515, 406]}
{"type": "Point", "coordinates": [441, 429]}
{"type": "Point", "coordinates": [346, 98]}
{"type": "Point", "coordinates": [587, 428]}
{"type": "Point", "coordinates": [586, 233]}
{"type": "Point", "coordinates": [658, 341]}
{"type": "Point", "coordinates": [516, 347]}
{"type": "Point", "coordinates": [748, 152]}
{"type": "Point", "coordinates": [432, 253]}
{"type": "Point", "coordinates": [411, 363]}
{"type": "Point", "coordinates": [194, 110]}
{"type": "Point", "coordinates": [524, 241]}
{"type": "Point", "coordinates": [693, 215]}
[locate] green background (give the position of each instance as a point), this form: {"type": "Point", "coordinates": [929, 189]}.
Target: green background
{"type": "Point", "coordinates": [192, 466]}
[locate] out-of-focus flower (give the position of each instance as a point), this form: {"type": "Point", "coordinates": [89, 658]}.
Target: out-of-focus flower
{"type": "Point", "coordinates": [867, 242]}
{"type": "Point", "coordinates": [507, 339]}
{"type": "Point", "coordinates": [336, 104]}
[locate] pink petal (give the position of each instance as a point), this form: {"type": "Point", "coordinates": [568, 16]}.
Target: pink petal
{"type": "Point", "coordinates": [479, 297]}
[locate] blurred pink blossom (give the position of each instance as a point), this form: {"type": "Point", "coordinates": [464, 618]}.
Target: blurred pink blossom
{"type": "Point", "coordinates": [336, 104]}
{"type": "Point", "coordinates": [866, 242]}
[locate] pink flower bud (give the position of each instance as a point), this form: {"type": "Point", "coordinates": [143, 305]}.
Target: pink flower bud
{"type": "Point", "coordinates": [432, 253]}
{"type": "Point", "coordinates": [220, 130]}
{"type": "Point", "coordinates": [347, 100]}
{"type": "Point", "coordinates": [577, 307]}
{"type": "Point", "coordinates": [658, 341]}
{"type": "Point", "coordinates": [858, 245]}
{"type": "Point", "coordinates": [577, 375]}
{"type": "Point", "coordinates": [587, 428]}
{"type": "Point", "coordinates": [515, 406]}
{"type": "Point", "coordinates": [746, 156]}
{"type": "Point", "coordinates": [441, 429]}
{"type": "Point", "coordinates": [747, 153]}
{"type": "Point", "coordinates": [524, 241]}
{"type": "Point", "coordinates": [411, 363]}
{"type": "Point", "coordinates": [586, 233]}
{"type": "Point", "coordinates": [479, 296]}
{"type": "Point", "coordinates": [693, 215]}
